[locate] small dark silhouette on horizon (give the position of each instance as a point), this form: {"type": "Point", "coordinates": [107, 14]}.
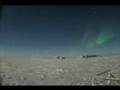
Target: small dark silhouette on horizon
{"type": "Point", "coordinates": [58, 57]}
{"type": "Point", "coordinates": [62, 57]}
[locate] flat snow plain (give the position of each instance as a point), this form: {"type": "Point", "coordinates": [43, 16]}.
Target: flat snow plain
{"type": "Point", "coordinates": [29, 70]}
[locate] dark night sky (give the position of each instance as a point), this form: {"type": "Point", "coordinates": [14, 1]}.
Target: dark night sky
{"type": "Point", "coordinates": [60, 29]}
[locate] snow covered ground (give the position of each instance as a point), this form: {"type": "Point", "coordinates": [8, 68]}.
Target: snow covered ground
{"type": "Point", "coordinates": [16, 70]}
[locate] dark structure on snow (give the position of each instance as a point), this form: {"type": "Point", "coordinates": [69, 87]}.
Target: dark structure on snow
{"type": "Point", "coordinates": [89, 56]}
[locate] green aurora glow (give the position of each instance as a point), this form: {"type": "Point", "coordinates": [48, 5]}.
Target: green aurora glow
{"type": "Point", "coordinates": [103, 37]}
